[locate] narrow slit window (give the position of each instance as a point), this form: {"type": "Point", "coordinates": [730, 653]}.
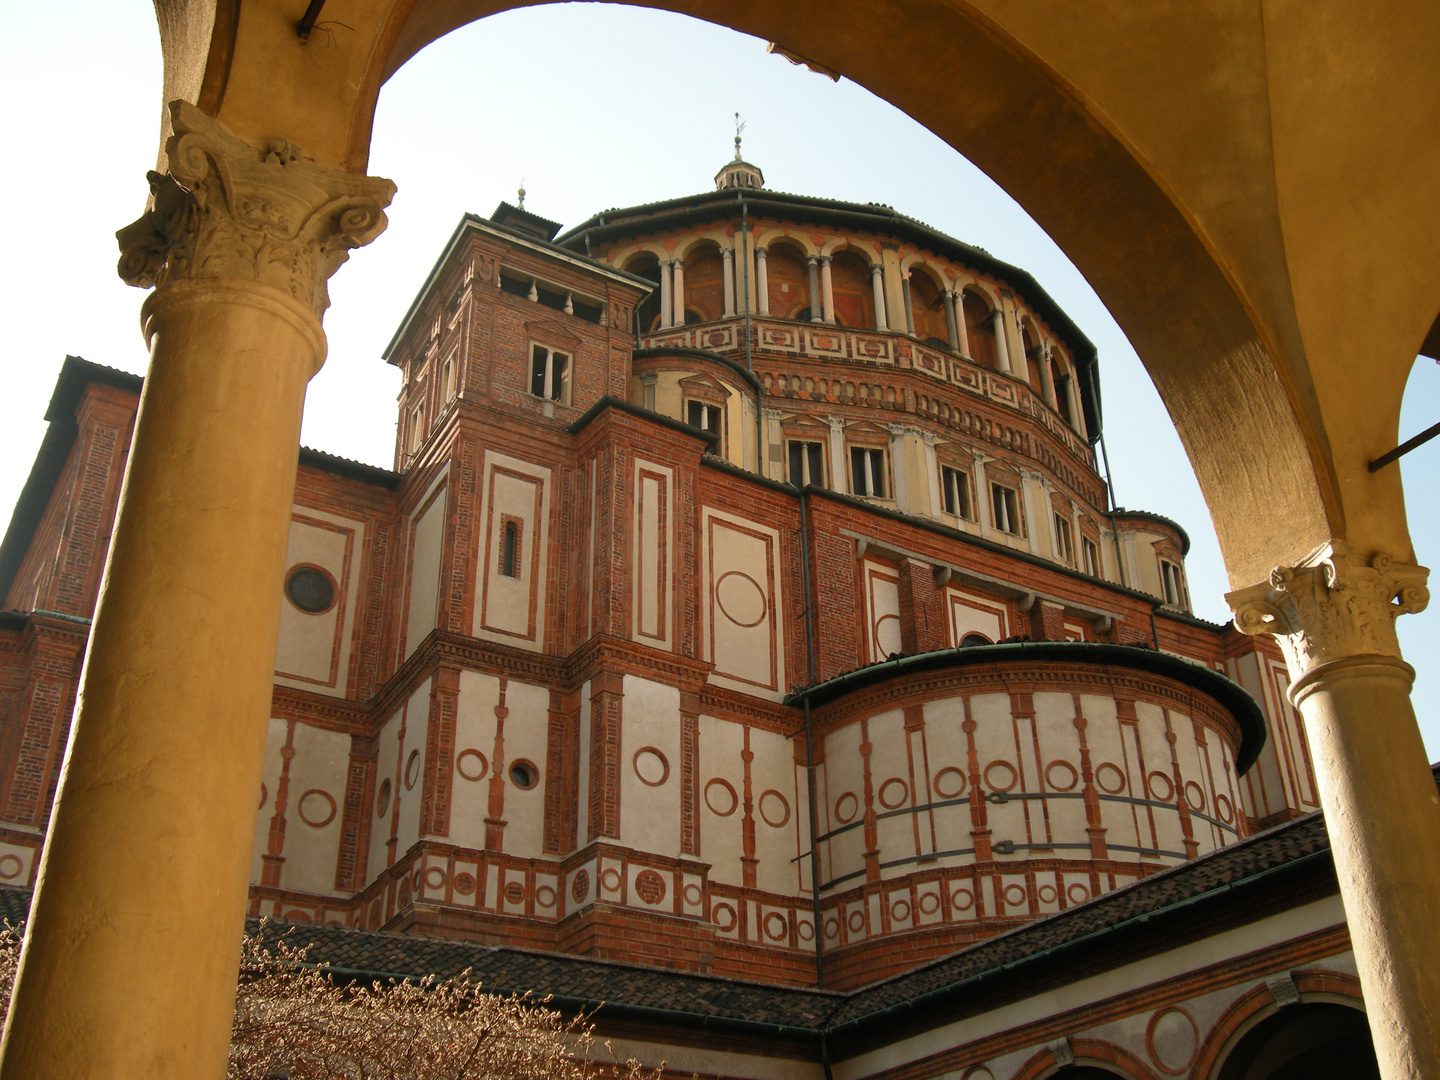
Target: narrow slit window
{"type": "Point", "coordinates": [510, 550]}
{"type": "Point", "coordinates": [867, 471]}
{"type": "Point", "coordinates": [1173, 581]}
{"type": "Point", "coordinates": [447, 378]}
{"type": "Point", "coordinates": [704, 416]}
{"type": "Point", "coordinates": [417, 427]}
{"type": "Point", "coordinates": [1092, 556]}
{"type": "Point", "coordinates": [807, 464]}
{"type": "Point", "coordinates": [955, 492]}
{"type": "Point", "coordinates": [550, 374]}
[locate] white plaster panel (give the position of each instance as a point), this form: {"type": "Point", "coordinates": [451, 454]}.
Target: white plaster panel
{"type": "Point", "coordinates": [313, 651]}
{"type": "Point", "coordinates": [387, 752]}
{"type": "Point", "coordinates": [269, 780]}
{"type": "Point", "coordinates": [527, 730]}
{"type": "Point", "coordinates": [511, 608]}
{"type": "Point", "coordinates": [722, 787]}
{"type": "Point", "coordinates": [845, 803]}
{"type": "Point", "coordinates": [882, 609]}
{"type": "Point", "coordinates": [417, 719]}
{"type": "Point", "coordinates": [16, 861]}
{"type": "Point", "coordinates": [741, 629]}
{"type": "Point", "coordinates": [426, 537]}
{"type": "Point", "coordinates": [653, 532]}
{"type": "Point", "coordinates": [649, 813]}
{"type": "Point", "coordinates": [776, 787]}
{"type": "Point", "coordinates": [318, 774]}
{"type": "Point", "coordinates": [970, 613]}
{"type": "Point", "coordinates": [474, 754]}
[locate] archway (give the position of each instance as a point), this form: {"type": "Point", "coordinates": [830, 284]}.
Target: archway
{"type": "Point", "coordinates": [1304, 1042]}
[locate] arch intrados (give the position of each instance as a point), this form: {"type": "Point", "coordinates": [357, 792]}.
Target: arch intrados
{"type": "Point", "coordinates": [925, 270]}
{"type": "Point", "coordinates": [982, 293]}
{"type": "Point", "coordinates": [853, 251]}
{"type": "Point", "coordinates": [1214, 369]}
{"type": "Point", "coordinates": [697, 247]}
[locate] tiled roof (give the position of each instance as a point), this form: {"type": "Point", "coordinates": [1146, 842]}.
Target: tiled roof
{"type": "Point", "coordinates": [712, 1001]}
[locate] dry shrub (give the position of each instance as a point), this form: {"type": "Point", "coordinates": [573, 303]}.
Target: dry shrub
{"type": "Point", "coordinates": [293, 1022]}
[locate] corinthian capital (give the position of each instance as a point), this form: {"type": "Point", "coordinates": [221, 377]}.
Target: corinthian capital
{"type": "Point", "coordinates": [268, 214]}
{"type": "Point", "coordinates": [1333, 604]}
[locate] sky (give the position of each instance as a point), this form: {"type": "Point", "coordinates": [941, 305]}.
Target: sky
{"type": "Point", "coordinates": [628, 106]}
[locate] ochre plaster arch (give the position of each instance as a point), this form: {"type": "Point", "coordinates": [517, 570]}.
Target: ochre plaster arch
{"type": "Point", "coordinates": [1316, 986]}
{"type": "Point", "coordinates": [779, 235]}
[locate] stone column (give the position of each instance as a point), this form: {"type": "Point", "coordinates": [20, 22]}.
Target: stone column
{"type": "Point", "coordinates": [962, 335]}
{"type": "Point", "coordinates": [762, 281]}
{"type": "Point", "coordinates": [983, 504]}
{"type": "Point", "coordinates": [728, 257]}
{"type": "Point", "coordinates": [827, 291]}
{"type": "Point", "coordinates": [816, 310]}
{"type": "Point", "coordinates": [839, 466]}
{"type": "Point", "coordinates": [877, 285]}
{"type": "Point", "coordinates": [1077, 414]}
{"type": "Point", "coordinates": [909, 302]}
{"type": "Point", "coordinates": [1002, 347]}
{"type": "Point", "coordinates": [1047, 378]}
{"type": "Point", "coordinates": [667, 279]}
{"type": "Point", "coordinates": [677, 295]}
{"type": "Point", "coordinates": [952, 331]}
{"type": "Point", "coordinates": [1334, 615]}
{"type": "Point", "coordinates": [133, 940]}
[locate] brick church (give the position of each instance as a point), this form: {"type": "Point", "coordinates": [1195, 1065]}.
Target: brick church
{"type": "Point", "coordinates": [744, 638]}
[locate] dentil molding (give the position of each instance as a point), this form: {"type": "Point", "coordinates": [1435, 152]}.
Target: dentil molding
{"type": "Point", "coordinates": [229, 210]}
{"type": "Point", "coordinates": [1333, 604]}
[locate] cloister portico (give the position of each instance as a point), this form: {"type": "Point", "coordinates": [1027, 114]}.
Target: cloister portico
{"type": "Point", "coordinates": [1270, 262]}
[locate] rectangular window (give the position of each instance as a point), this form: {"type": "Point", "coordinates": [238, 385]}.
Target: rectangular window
{"type": "Point", "coordinates": [447, 377]}
{"type": "Point", "coordinates": [1092, 556]}
{"type": "Point", "coordinates": [1064, 541]}
{"type": "Point", "coordinates": [1006, 509]}
{"type": "Point", "coordinates": [955, 492]}
{"type": "Point", "coordinates": [1173, 581]}
{"type": "Point", "coordinates": [705, 417]}
{"type": "Point", "coordinates": [417, 427]}
{"type": "Point", "coordinates": [867, 471]}
{"type": "Point", "coordinates": [550, 374]}
{"type": "Point", "coordinates": [807, 464]}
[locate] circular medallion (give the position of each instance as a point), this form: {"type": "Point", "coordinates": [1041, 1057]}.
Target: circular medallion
{"type": "Point", "coordinates": [774, 809]}
{"type": "Point", "coordinates": [1061, 776]}
{"type": "Point", "coordinates": [1195, 796]}
{"type": "Point", "coordinates": [1077, 893]}
{"type": "Point", "coordinates": [900, 911]}
{"type": "Point", "coordinates": [316, 808]}
{"type": "Point", "coordinates": [846, 807]}
{"type": "Point", "coordinates": [1110, 779]}
{"type": "Point", "coordinates": [650, 886]}
{"type": "Point", "coordinates": [1016, 896]}
{"type": "Point", "coordinates": [693, 895]}
{"type": "Point", "coordinates": [545, 896]}
{"type": "Point", "coordinates": [720, 797]}
{"type": "Point", "coordinates": [723, 916]}
{"type": "Point", "coordinates": [471, 764]}
{"type": "Point", "coordinates": [894, 793]}
{"type": "Point", "coordinates": [514, 893]}
{"type": "Point", "coordinates": [740, 598]}
{"type": "Point", "coordinates": [929, 903]}
{"type": "Point", "coordinates": [1000, 775]}
{"type": "Point", "coordinates": [1172, 1038]}
{"type": "Point", "coordinates": [1162, 788]}
{"type": "Point", "coordinates": [650, 766]}
{"type": "Point", "coordinates": [777, 928]}
{"type": "Point", "coordinates": [832, 929]}
{"type": "Point", "coordinates": [412, 769]}
{"type": "Point", "coordinates": [962, 900]}
{"type": "Point", "coordinates": [856, 921]}
{"type": "Point", "coordinates": [950, 783]}
{"type": "Point", "coordinates": [804, 930]}
{"type": "Point", "coordinates": [10, 867]}
{"type": "Point", "coordinates": [382, 798]}
{"type": "Point", "coordinates": [1047, 894]}
{"type": "Point", "coordinates": [464, 884]}
{"type": "Point", "coordinates": [580, 886]}
{"type": "Point", "coordinates": [610, 879]}
{"type": "Point", "coordinates": [1223, 810]}
{"type": "Point", "coordinates": [435, 878]}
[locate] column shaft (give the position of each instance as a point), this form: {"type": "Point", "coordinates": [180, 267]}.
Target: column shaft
{"type": "Point", "coordinates": [677, 297]}
{"type": "Point", "coordinates": [952, 331]}
{"type": "Point", "coordinates": [728, 257]}
{"type": "Point", "coordinates": [827, 291]}
{"type": "Point", "coordinates": [667, 281]}
{"type": "Point", "coordinates": [962, 334]}
{"type": "Point", "coordinates": [762, 281]}
{"type": "Point", "coordinates": [155, 819]}
{"type": "Point", "coordinates": [909, 303]}
{"type": "Point", "coordinates": [877, 285]}
{"type": "Point", "coordinates": [816, 310]}
{"type": "Point", "coordinates": [1002, 347]}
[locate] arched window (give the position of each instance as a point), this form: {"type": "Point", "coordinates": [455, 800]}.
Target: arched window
{"type": "Point", "coordinates": [704, 285]}
{"type": "Point", "coordinates": [510, 549]}
{"type": "Point", "coordinates": [789, 282]}
{"type": "Point", "coordinates": [974, 639]}
{"type": "Point", "coordinates": [1033, 356]}
{"type": "Point", "coordinates": [647, 266]}
{"type": "Point", "coordinates": [980, 330]}
{"type": "Point", "coordinates": [928, 304]}
{"type": "Point", "coordinates": [1305, 1042]}
{"type": "Point", "coordinates": [850, 285]}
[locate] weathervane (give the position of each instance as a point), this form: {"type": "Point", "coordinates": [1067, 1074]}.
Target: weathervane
{"type": "Point", "coordinates": [522, 190]}
{"type": "Point", "coordinates": [739, 127]}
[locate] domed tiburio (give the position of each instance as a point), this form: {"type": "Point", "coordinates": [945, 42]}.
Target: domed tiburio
{"type": "Point", "coordinates": [744, 601]}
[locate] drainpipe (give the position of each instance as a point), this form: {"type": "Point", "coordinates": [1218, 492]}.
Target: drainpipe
{"type": "Point", "coordinates": [810, 751]}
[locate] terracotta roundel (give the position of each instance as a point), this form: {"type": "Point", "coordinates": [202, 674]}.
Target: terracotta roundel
{"type": "Point", "coordinates": [1061, 776]}
{"type": "Point", "coordinates": [471, 764]}
{"type": "Point", "coordinates": [464, 883]}
{"type": "Point", "coordinates": [723, 916]}
{"type": "Point", "coordinates": [894, 793]}
{"type": "Point", "coordinates": [545, 896]}
{"type": "Point", "coordinates": [651, 766]}
{"type": "Point", "coordinates": [1162, 788]}
{"type": "Point", "coordinates": [777, 927]}
{"type": "Point", "coordinates": [580, 886]}
{"type": "Point", "coordinates": [741, 599]}
{"type": "Point", "coordinates": [949, 783]}
{"type": "Point", "coordinates": [1000, 775]}
{"type": "Point", "coordinates": [720, 797]}
{"type": "Point", "coordinates": [774, 809]}
{"type": "Point", "coordinates": [1172, 1038]}
{"type": "Point", "coordinates": [412, 769]}
{"type": "Point", "coordinates": [1110, 779]}
{"type": "Point", "coordinates": [10, 867]}
{"type": "Point", "coordinates": [514, 893]}
{"type": "Point", "coordinates": [846, 807]}
{"type": "Point", "coordinates": [650, 886]}
{"type": "Point", "coordinates": [316, 808]}
{"type": "Point", "coordinates": [1195, 796]}
{"type": "Point", "coordinates": [434, 878]}
{"type": "Point", "coordinates": [382, 798]}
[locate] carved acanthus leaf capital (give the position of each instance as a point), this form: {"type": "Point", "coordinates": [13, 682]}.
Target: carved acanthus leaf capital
{"type": "Point", "coordinates": [1331, 605]}
{"type": "Point", "coordinates": [227, 209]}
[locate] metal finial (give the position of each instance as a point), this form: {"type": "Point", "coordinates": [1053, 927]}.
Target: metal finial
{"type": "Point", "coordinates": [522, 193]}
{"type": "Point", "coordinates": [739, 127]}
